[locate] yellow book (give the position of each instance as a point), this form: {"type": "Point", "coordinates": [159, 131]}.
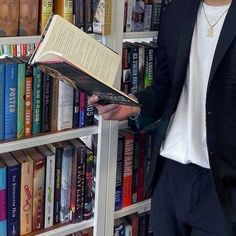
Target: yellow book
{"type": "Point", "coordinates": [45, 10]}
{"type": "Point", "coordinates": [64, 8]}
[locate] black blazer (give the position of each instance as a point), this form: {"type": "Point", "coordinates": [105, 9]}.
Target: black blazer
{"type": "Point", "coordinates": [161, 99]}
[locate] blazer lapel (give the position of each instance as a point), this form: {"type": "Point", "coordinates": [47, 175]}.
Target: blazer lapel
{"type": "Point", "coordinates": [182, 57]}
{"type": "Point", "coordinates": [227, 35]}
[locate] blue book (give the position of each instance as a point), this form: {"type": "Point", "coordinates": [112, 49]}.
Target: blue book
{"type": "Point", "coordinates": [3, 203]}
{"type": "Point", "coordinates": [13, 194]}
{"type": "Point", "coordinates": [2, 101]}
{"type": "Point", "coordinates": [10, 98]}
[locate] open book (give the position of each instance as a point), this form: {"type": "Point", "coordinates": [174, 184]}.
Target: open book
{"type": "Point", "coordinates": [69, 54]}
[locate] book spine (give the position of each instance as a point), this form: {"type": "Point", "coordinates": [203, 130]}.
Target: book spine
{"type": "Point", "coordinates": [3, 201]}
{"type": "Point", "coordinates": [89, 114]}
{"type": "Point", "coordinates": [37, 101]}
{"type": "Point", "coordinates": [2, 101]}
{"type": "Point", "coordinates": [129, 11]}
{"type": "Point", "coordinates": [88, 16]}
{"type": "Point", "coordinates": [26, 199]}
{"type": "Point", "coordinates": [119, 173]}
{"type": "Point", "coordinates": [147, 17]}
{"type": "Point", "coordinates": [127, 170]}
{"type": "Point", "coordinates": [49, 191]}
{"type": "Point", "coordinates": [54, 103]}
{"type": "Point", "coordinates": [13, 200]}
{"type": "Point", "coordinates": [66, 183]}
{"type": "Point", "coordinates": [10, 100]}
{"type": "Point", "coordinates": [21, 101]}
{"type": "Point", "coordinates": [64, 8]}
{"type": "Point", "coordinates": [134, 68]}
{"type": "Point", "coordinates": [156, 15]}
{"type": "Point", "coordinates": [88, 191]}
{"type": "Point", "coordinates": [138, 15]}
{"type": "Point", "coordinates": [58, 151]}
{"type": "Point", "coordinates": [79, 13]}
{"type": "Point", "coordinates": [65, 106]}
{"type": "Point", "coordinates": [28, 25]}
{"type": "Point", "coordinates": [9, 12]}
{"type": "Point", "coordinates": [46, 113]}
{"type": "Point", "coordinates": [76, 109]}
{"type": "Point", "coordinates": [38, 194]}
{"type": "Point", "coordinates": [45, 9]}
{"type": "Point", "coordinates": [28, 100]}
{"type": "Point", "coordinates": [148, 76]}
{"type": "Point", "coordinates": [82, 102]}
{"type": "Point", "coordinates": [135, 167]}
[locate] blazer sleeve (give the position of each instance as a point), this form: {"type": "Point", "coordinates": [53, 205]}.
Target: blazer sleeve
{"type": "Point", "coordinates": [153, 99]}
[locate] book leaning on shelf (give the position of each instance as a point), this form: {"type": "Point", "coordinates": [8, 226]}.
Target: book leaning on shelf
{"type": "Point", "coordinates": [69, 54]}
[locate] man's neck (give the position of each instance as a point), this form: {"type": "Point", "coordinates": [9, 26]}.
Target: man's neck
{"type": "Point", "coordinates": [217, 2]}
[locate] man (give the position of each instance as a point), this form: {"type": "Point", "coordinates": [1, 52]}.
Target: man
{"type": "Point", "coordinates": [193, 175]}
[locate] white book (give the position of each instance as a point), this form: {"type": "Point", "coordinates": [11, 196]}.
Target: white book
{"type": "Point", "coordinates": [65, 106]}
{"type": "Point", "coordinates": [49, 185]}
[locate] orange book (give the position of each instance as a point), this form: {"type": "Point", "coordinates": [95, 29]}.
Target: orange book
{"type": "Point", "coordinates": [45, 10]}
{"type": "Point", "coordinates": [64, 8]}
{"type": "Point", "coordinates": [28, 19]}
{"type": "Point", "coordinates": [9, 16]}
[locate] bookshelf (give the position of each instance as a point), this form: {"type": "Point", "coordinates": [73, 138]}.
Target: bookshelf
{"type": "Point", "coordinates": [104, 214]}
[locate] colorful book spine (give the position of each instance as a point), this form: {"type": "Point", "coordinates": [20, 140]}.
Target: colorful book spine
{"type": "Point", "coordinates": [54, 103]}
{"type": "Point", "coordinates": [13, 194]}
{"type": "Point", "coordinates": [82, 110]}
{"type": "Point", "coordinates": [46, 112]}
{"type": "Point", "coordinates": [119, 173]}
{"type": "Point", "coordinates": [45, 10]}
{"type": "Point", "coordinates": [3, 199]}
{"type": "Point", "coordinates": [37, 101]}
{"type": "Point", "coordinates": [77, 181]}
{"type": "Point", "coordinates": [49, 185]}
{"type": "Point", "coordinates": [28, 100]}
{"type": "Point", "coordinates": [76, 109]}
{"type": "Point", "coordinates": [26, 191]}
{"type": "Point", "coordinates": [2, 101]}
{"type": "Point", "coordinates": [21, 101]}
{"type": "Point", "coordinates": [64, 8]}
{"type": "Point", "coordinates": [57, 149]}
{"type": "Point", "coordinates": [89, 114]}
{"type": "Point", "coordinates": [65, 106]}
{"type": "Point", "coordinates": [66, 182]}
{"type": "Point", "coordinates": [38, 187]}
{"type": "Point", "coordinates": [89, 180]}
{"type": "Point", "coordinates": [10, 99]}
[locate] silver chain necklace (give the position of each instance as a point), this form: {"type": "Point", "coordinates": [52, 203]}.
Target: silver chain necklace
{"type": "Point", "coordinates": [211, 26]}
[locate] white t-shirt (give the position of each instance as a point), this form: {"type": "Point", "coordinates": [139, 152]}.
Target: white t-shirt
{"type": "Point", "coordinates": [186, 138]}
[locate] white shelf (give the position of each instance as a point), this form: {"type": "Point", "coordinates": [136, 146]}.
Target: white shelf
{"type": "Point", "coordinates": [19, 40]}
{"type": "Point", "coordinates": [137, 207]}
{"type": "Point", "coordinates": [66, 229]}
{"type": "Point", "coordinates": [137, 35]}
{"type": "Point", "coordinates": [8, 146]}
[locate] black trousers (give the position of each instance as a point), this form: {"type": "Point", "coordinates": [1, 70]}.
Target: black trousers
{"type": "Point", "coordinates": [185, 203]}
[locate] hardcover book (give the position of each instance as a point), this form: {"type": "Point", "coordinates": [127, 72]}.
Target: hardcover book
{"type": "Point", "coordinates": [49, 184]}
{"type": "Point", "coordinates": [3, 198]}
{"type": "Point", "coordinates": [26, 191]}
{"type": "Point", "coordinates": [64, 8]}
{"type": "Point", "coordinates": [38, 187]}
{"type": "Point", "coordinates": [2, 100]}
{"type": "Point", "coordinates": [9, 17]}
{"type": "Point", "coordinates": [65, 53]}
{"type": "Point", "coordinates": [28, 20]}
{"type": "Point", "coordinates": [13, 194]}
{"type": "Point", "coordinates": [45, 10]}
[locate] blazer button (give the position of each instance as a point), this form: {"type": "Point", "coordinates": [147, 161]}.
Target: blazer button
{"type": "Point", "coordinates": [209, 112]}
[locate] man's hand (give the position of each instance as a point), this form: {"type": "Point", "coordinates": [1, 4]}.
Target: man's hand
{"type": "Point", "coordinates": [113, 111]}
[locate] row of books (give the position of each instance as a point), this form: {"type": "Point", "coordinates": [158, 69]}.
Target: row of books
{"type": "Point", "coordinates": [143, 15]}
{"type": "Point", "coordinates": [16, 50]}
{"type": "Point", "coordinates": [85, 232]}
{"type": "Point", "coordinates": [27, 17]}
{"type": "Point", "coordinates": [133, 164]}
{"type": "Point", "coordinates": [134, 224]}
{"type": "Point", "coordinates": [32, 102]}
{"type": "Point", "coordinates": [138, 66]}
{"type": "Point", "coordinates": [45, 185]}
